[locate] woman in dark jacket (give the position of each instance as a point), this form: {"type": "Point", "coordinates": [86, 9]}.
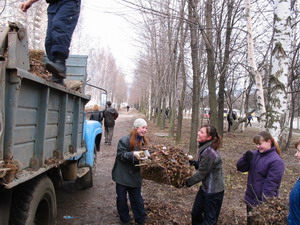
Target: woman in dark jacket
{"type": "Point", "coordinates": [127, 175]}
{"type": "Point", "coordinates": [265, 170]}
{"type": "Point", "coordinates": [208, 201]}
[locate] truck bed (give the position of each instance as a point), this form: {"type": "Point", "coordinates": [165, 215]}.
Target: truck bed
{"type": "Point", "coordinates": [43, 123]}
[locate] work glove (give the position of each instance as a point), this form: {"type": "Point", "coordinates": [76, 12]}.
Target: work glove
{"type": "Point", "coordinates": [194, 163]}
{"type": "Point", "coordinates": [180, 185]}
{"type": "Point", "coordinates": [137, 155]}
{"type": "Point", "coordinates": [188, 182]}
{"type": "Point", "coordinates": [248, 156]}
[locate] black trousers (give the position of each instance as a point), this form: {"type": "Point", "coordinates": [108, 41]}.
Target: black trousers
{"type": "Point", "coordinates": [249, 218]}
{"type": "Point", "coordinates": [136, 203]}
{"type": "Point", "coordinates": [206, 208]}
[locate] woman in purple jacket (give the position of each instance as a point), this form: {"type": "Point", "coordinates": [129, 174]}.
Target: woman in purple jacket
{"type": "Point", "coordinates": [265, 169]}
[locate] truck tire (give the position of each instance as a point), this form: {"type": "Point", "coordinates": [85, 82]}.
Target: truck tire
{"type": "Point", "coordinates": [34, 203]}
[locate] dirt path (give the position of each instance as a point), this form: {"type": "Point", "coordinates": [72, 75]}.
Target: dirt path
{"type": "Point", "coordinates": [166, 204]}
{"type": "Point", "coordinates": [96, 206]}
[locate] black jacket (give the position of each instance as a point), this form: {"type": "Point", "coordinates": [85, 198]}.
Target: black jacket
{"type": "Point", "coordinates": [210, 170]}
{"type": "Point", "coordinates": [110, 115]}
{"type": "Point", "coordinates": [124, 171]}
{"type": "Point", "coordinates": [97, 115]}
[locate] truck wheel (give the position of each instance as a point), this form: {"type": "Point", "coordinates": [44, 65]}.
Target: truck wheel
{"type": "Point", "coordinates": [34, 203]}
{"type": "Point", "coordinates": [86, 181]}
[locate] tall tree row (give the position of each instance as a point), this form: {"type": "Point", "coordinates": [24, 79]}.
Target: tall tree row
{"type": "Point", "coordinates": [233, 54]}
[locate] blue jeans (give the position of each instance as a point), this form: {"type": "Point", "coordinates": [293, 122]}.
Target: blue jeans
{"type": "Point", "coordinates": [136, 202]}
{"type": "Point", "coordinates": [206, 208]}
{"type": "Point", "coordinates": [62, 19]}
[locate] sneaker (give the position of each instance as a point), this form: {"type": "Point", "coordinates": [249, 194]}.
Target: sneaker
{"type": "Point", "coordinates": [58, 67]}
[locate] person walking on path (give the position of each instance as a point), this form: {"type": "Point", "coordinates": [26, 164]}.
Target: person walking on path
{"type": "Point", "coordinates": [62, 19]}
{"type": "Point", "coordinates": [294, 209]}
{"type": "Point", "coordinates": [231, 117]}
{"type": "Point", "coordinates": [127, 175]}
{"type": "Point", "coordinates": [265, 170]}
{"type": "Point", "coordinates": [249, 118]}
{"type": "Point", "coordinates": [110, 114]}
{"type": "Point", "coordinates": [208, 201]}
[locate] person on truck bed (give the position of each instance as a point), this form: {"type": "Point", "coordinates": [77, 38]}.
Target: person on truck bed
{"type": "Point", "coordinates": [62, 19]}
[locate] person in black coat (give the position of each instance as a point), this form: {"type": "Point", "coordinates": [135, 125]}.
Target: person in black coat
{"type": "Point", "coordinates": [110, 115]}
{"type": "Point", "coordinates": [230, 118]}
{"type": "Point", "coordinates": [127, 175]}
{"type": "Point", "coordinates": [97, 115]}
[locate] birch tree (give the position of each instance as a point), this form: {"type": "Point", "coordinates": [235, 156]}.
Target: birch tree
{"type": "Point", "coordinates": [279, 114]}
{"type": "Point", "coordinates": [261, 108]}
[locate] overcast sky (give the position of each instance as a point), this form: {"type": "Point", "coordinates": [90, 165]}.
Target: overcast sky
{"type": "Point", "coordinates": [108, 20]}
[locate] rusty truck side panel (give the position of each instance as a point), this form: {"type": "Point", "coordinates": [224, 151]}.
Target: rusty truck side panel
{"type": "Point", "coordinates": [41, 123]}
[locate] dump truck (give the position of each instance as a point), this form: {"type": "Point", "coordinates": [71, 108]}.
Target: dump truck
{"type": "Point", "coordinates": [45, 139]}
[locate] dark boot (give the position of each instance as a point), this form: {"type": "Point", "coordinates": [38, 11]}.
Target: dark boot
{"type": "Point", "coordinates": [57, 79]}
{"type": "Point", "coordinates": [58, 68]}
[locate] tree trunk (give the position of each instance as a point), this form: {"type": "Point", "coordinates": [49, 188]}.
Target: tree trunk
{"type": "Point", "coordinates": [211, 77]}
{"type": "Point", "coordinates": [279, 114]}
{"type": "Point", "coordinates": [193, 18]}
{"type": "Point", "coordinates": [183, 90]}
{"type": "Point", "coordinates": [224, 69]}
{"type": "Point", "coordinates": [261, 108]}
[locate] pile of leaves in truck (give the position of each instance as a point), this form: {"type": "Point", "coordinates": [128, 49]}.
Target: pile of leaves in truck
{"type": "Point", "coordinates": [37, 65]}
{"type": "Point", "coordinates": [167, 165]}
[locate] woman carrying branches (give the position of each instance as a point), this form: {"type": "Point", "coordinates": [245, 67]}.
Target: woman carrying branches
{"type": "Point", "coordinates": [127, 175]}
{"type": "Point", "coordinates": [208, 201]}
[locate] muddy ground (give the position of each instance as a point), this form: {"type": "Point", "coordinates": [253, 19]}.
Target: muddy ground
{"type": "Point", "coordinates": [165, 204]}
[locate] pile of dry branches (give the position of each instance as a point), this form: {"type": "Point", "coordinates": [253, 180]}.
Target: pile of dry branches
{"type": "Point", "coordinates": [37, 65]}
{"type": "Point", "coordinates": [273, 211]}
{"type": "Point", "coordinates": [167, 166]}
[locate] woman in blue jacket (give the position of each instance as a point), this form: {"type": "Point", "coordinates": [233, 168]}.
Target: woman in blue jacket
{"type": "Point", "coordinates": [127, 175]}
{"type": "Point", "coordinates": [265, 170]}
{"type": "Point", "coordinates": [294, 213]}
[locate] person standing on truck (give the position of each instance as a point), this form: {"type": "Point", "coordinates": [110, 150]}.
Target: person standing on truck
{"type": "Point", "coordinates": [127, 175]}
{"type": "Point", "coordinates": [62, 19]}
{"type": "Point", "coordinates": [110, 115]}
{"type": "Point", "coordinates": [98, 116]}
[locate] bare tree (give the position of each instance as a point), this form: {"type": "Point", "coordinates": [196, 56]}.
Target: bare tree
{"type": "Point", "coordinates": [261, 108]}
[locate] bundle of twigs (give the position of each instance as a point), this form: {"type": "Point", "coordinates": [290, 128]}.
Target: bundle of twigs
{"type": "Point", "coordinates": [167, 166]}
{"type": "Point", "coordinates": [272, 211]}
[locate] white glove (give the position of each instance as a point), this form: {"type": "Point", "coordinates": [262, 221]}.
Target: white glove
{"type": "Point", "coordinates": [137, 155]}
